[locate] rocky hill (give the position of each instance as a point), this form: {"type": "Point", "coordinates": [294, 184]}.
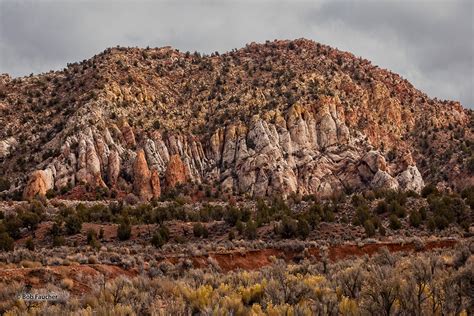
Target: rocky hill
{"type": "Point", "coordinates": [269, 119]}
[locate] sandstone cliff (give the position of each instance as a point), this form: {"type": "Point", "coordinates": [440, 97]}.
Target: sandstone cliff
{"type": "Point", "coordinates": [276, 118]}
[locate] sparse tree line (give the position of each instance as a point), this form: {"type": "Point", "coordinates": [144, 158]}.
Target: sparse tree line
{"type": "Point", "coordinates": [375, 211]}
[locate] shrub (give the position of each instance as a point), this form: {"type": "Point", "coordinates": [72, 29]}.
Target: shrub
{"type": "Point", "coordinates": [12, 226]}
{"type": "Point", "coordinates": [157, 240]}
{"type": "Point", "coordinates": [469, 164]}
{"type": "Point", "coordinates": [395, 222]}
{"type": "Point", "coordinates": [441, 222]}
{"type": "Point", "coordinates": [92, 260]}
{"type": "Point", "coordinates": [251, 230]}
{"type": "Point", "coordinates": [160, 237]}
{"type": "Point", "coordinates": [6, 242]}
{"type": "Point", "coordinates": [164, 232]}
{"type": "Point", "coordinates": [429, 189]}
{"type": "Point", "coordinates": [29, 219]}
{"type": "Point", "coordinates": [73, 224]}
{"type": "Point", "coordinates": [369, 228]}
{"type": "Point", "coordinates": [67, 283]}
{"type": "Point", "coordinates": [362, 214]}
{"type": "Point", "coordinates": [92, 239]}
{"type": "Point", "coordinates": [55, 229]}
{"type": "Point", "coordinates": [382, 207]}
{"type": "Point", "coordinates": [415, 218]}
{"type": "Point", "coordinates": [200, 230]}
{"type": "Point", "coordinates": [4, 184]}
{"type": "Point", "coordinates": [423, 214]}
{"type": "Point", "coordinates": [303, 228]}
{"type": "Point", "coordinates": [29, 244]}
{"type": "Point", "coordinates": [59, 241]}
{"type": "Point", "coordinates": [397, 209]}
{"type": "Point", "coordinates": [358, 200]}
{"type": "Point", "coordinates": [232, 215]}
{"type": "Point", "coordinates": [240, 227]}
{"type": "Point", "coordinates": [382, 231]}
{"type": "Point", "coordinates": [288, 228]}
{"type": "Point", "coordinates": [124, 231]}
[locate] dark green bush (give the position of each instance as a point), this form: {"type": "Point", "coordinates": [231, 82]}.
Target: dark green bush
{"type": "Point", "coordinates": [29, 219]}
{"type": "Point", "coordinates": [358, 200]}
{"type": "Point", "coordinates": [73, 224]}
{"type": "Point", "coordinates": [4, 184]}
{"type": "Point", "coordinates": [382, 207]}
{"type": "Point", "coordinates": [251, 230]}
{"type": "Point", "coordinates": [124, 231]}
{"type": "Point", "coordinates": [12, 226]}
{"type": "Point", "coordinates": [429, 189]}
{"type": "Point", "coordinates": [415, 218]}
{"type": "Point", "coordinates": [397, 209]}
{"type": "Point", "coordinates": [395, 222]}
{"type": "Point", "coordinates": [232, 215]}
{"type": "Point", "coordinates": [369, 228]}
{"type": "Point", "coordinates": [29, 244]}
{"type": "Point", "coordinates": [200, 230]}
{"type": "Point", "coordinates": [362, 214]}
{"type": "Point", "coordinates": [287, 228]}
{"type": "Point", "coordinates": [303, 228]}
{"type": "Point", "coordinates": [6, 242]}
{"type": "Point", "coordinates": [92, 239]}
{"type": "Point", "coordinates": [59, 241]}
{"type": "Point", "coordinates": [157, 240]}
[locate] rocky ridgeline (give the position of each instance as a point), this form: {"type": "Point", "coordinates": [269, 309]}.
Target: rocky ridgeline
{"type": "Point", "coordinates": [271, 119]}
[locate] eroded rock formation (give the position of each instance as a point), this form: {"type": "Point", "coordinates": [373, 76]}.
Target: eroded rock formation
{"type": "Point", "coordinates": [271, 119]}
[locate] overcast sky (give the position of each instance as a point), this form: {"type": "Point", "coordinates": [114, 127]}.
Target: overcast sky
{"type": "Point", "coordinates": [431, 43]}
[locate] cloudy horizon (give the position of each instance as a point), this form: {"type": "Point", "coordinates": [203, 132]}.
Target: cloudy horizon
{"type": "Point", "coordinates": [430, 43]}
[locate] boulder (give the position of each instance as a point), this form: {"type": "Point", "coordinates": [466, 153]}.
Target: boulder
{"type": "Point", "coordinates": [7, 145]}
{"type": "Point", "coordinates": [382, 180]}
{"type": "Point", "coordinates": [411, 179]}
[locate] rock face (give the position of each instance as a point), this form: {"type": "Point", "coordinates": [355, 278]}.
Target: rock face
{"type": "Point", "coordinates": [175, 172]}
{"type": "Point", "coordinates": [297, 153]}
{"type": "Point", "coordinates": [113, 168]}
{"type": "Point", "coordinates": [411, 179]}
{"type": "Point", "coordinates": [271, 119]}
{"type": "Point", "coordinates": [7, 145]}
{"type": "Point", "coordinates": [155, 183]}
{"type": "Point", "coordinates": [39, 183]}
{"type": "Point", "coordinates": [146, 184]}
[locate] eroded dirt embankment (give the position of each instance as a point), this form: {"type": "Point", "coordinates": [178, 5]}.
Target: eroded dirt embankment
{"type": "Point", "coordinates": [256, 259]}
{"type": "Point", "coordinates": [86, 277]}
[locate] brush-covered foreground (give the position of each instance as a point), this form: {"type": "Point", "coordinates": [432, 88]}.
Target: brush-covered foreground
{"type": "Point", "coordinates": [436, 283]}
{"type": "Point", "coordinates": [376, 253]}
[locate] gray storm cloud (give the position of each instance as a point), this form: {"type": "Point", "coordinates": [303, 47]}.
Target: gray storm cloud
{"type": "Point", "coordinates": [431, 43]}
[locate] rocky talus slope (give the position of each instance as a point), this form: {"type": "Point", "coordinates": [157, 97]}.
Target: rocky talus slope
{"type": "Point", "coordinates": [276, 118]}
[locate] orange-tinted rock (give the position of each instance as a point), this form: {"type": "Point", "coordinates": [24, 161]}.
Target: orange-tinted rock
{"type": "Point", "coordinates": [39, 183]}
{"type": "Point", "coordinates": [93, 167]}
{"type": "Point", "coordinates": [113, 167]}
{"type": "Point", "coordinates": [128, 135]}
{"type": "Point", "coordinates": [155, 183]}
{"type": "Point", "coordinates": [175, 172]}
{"type": "Point", "coordinates": [141, 177]}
